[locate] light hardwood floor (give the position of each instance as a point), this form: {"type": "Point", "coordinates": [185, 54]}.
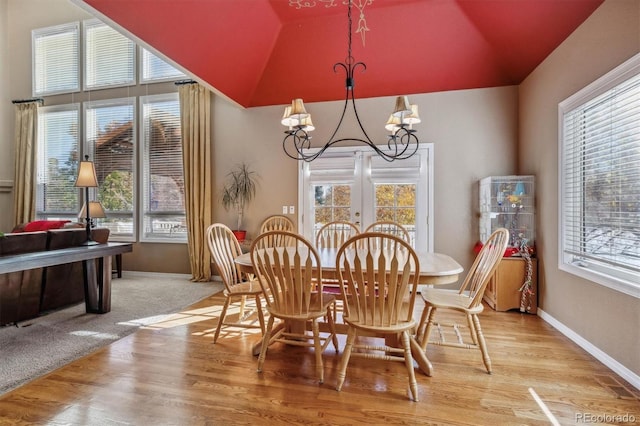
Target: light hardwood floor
{"type": "Point", "coordinates": [172, 374]}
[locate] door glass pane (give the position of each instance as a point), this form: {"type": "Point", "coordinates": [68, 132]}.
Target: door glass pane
{"type": "Point", "coordinates": [331, 202]}
{"type": "Point", "coordinates": [397, 202]}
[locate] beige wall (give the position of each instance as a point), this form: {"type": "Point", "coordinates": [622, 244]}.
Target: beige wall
{"type": "Point", "coordinates": [474, 132]}
{"type": "Point", "coordinates": [607, 319]}
{"type": "Point", "coordinates": [6, 122]}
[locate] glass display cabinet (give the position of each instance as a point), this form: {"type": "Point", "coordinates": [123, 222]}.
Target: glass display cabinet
{"type": "Point", "coordinates": [509, 202]}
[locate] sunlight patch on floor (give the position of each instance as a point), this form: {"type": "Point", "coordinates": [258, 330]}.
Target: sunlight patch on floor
{"type": "Point", "coordinates": [96, 335]}
{"type": "Point", "coordinates": [544, 408]}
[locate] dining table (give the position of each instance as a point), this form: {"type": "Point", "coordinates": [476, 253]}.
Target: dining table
{"type": "Point", "coordinates": [435, 269]}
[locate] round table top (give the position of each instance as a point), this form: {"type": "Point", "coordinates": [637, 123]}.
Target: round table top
{"type": "Point", "coordinates": [435, 268]}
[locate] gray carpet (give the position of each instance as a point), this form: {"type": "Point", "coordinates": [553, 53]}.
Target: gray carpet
{"type": "Point", "coordinates": [41, 345]}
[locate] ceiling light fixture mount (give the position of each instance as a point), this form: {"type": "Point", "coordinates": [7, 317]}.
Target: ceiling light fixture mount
{"type": "Point", "coordinates": [402, 142]}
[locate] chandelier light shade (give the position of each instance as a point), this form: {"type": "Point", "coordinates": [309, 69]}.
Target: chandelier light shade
{"type": "Point", "coordinates": [402, 142]}
{"type": "Point", "coordinates": [87, 179]}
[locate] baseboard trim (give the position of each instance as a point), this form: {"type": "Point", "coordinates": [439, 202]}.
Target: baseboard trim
{"type": "Point", "coordinates": [601, 356]}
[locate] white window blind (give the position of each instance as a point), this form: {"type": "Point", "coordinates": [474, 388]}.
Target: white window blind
{"type": "Point", "coordinates": [56, 59]}
{"type": "Point", "coordinates": [163, 178]}
{"type": "Point", "coordinates": [156, 69]}
{"type": "Point", "coordinates": [109, 57]}
{"type": "Point", "coordinates": [600, 191]}
{"type": "Point", "coordinates": [111, 143]}
{"type": "Point", "coordinates": [56, 194]}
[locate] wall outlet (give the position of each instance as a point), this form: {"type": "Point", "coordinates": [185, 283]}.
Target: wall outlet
{"type": "Point", "coordinates": [284, 209]}
{"type": "Point", "coordinates": [292, 209]}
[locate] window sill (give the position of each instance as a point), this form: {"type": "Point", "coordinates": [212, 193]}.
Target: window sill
{"type": "Point", "coordinates": [620, 285]}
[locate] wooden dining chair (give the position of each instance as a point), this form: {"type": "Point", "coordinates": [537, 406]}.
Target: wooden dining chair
{"type": "Point", "coordinates": [224, 248]}
{"type": "Point", "coordinates": [334, 234]}
{"type": "Point", "coordinates": [277, 223]}
{"type": "Point", "coordinates": [389, 227]}
{"type": "Point", "coordinates": [467, 300]}
{"type": "Point", "coordinates": [379, 293]}
{"type": "Point", "coordinates": [291, 277]}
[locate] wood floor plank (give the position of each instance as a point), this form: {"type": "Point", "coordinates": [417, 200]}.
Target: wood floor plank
{"type": "Point", "coordinates": [172, 374]}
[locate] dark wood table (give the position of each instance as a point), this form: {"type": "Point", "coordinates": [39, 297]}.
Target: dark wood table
{"type": "Point", "coordinates": [96, 276]}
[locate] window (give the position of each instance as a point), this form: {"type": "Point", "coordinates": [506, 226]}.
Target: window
{"type": "Point", "coordinates": [111, 142]}
{"type": "Point", "coordinates": [356, 185]}
{"type": "Point", "coordinates": [57, 164]}
{"type": "Point", "coordinates": [600, 180]}
{"type": "Point", "coordinates": [155, 69]}
{"type": "Point", "coordinates": [56, 54]}
{"type": "Point", "coordinates": [109, 57]}
{"type": "Point", "coordinates": [163, 179]}
{"type": "Point", "coordinates": [134, 142]}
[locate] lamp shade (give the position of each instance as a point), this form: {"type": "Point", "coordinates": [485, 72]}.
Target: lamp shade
{"type": "Point", "coordinates": [297, 109]}
{"type": "Point", "coordinates": [86, 174]}
{"type": "Point", "coordinates": [95, 210]}
{"type": "Point", "coordinates": [287, 120]}
{"type": "Point", "coordinates": [414, 117]}
{"type": "Point", "coordinates": [307, 124]}
{"type": "Point", "coordinates": [393, 123]}
{"type": "Point", "coordinates": [403, 107]}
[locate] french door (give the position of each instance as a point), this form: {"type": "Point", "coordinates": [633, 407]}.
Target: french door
{"type": "Point", "coordinates": [355, 185]}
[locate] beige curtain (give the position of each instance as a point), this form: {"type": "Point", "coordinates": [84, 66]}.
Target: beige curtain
{"type": "Point", "coordinates": [26, 130]}
{"type": "Point", "coordinates": [195, 111]}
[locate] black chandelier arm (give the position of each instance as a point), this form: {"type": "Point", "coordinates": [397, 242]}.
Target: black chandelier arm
{"type": "Point", "coordinates": [403, 142]}
{"type": "Point", "coordinates": [401, 145]}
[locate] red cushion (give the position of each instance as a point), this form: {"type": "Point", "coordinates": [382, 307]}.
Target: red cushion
{"type": "Point", "coordinates": [43, 225]}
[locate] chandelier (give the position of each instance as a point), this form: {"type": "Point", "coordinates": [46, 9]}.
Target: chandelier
{"type": "Point", "coordinates": [402, 142]}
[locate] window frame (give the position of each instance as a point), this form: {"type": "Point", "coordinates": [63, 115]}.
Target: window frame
{"type": "Point", "coordinates": [90, 150]}
{"type": "Point", "coordinates": [141, 209]}
{"type": "Point", "coordinates": [95, 22]}
{"type": "Point", "coordinates": [59, 215]}
{"type": "Point", "coordinates": [627, 283]}
{"type": "Point", "coordinates": [71, 26]}
{"type": "Point", "coordinates": [141, 69]}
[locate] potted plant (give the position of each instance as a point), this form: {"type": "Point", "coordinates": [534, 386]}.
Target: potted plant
{"type": "Point", "coordinates": [238, 191]}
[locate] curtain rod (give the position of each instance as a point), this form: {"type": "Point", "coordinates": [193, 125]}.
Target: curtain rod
{"type": "Point", "coordinates": [181, 82]}
{"type": "Point", "coordinates": [23, 101]}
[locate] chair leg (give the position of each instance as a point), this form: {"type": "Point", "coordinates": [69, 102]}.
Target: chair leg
{"type": "Point", "coordinates": [482, 344]}
{"type": "Point", "coordinates": [408, 360]}
{"type": "Point", "coordinates": [221, 319]}
{"type": "Point", "coordinates": [317, 347]}
{"type": "Point", "coordinates": [424, 340]}
{"type": "Point", "coordinates": [342, 371]}
{"type": "Point", "coordinates": [423, 323]}
{"type": "Point", "coordinates": [243, 301]}
{"type": "Point", "coordinates": [260, 313]}
{"type": "Point", "coordinates": [332, 328]}
{"type": "Point", "coordinates": [472, 329]}
{"type": "Point", "coordinates": [265, 343]}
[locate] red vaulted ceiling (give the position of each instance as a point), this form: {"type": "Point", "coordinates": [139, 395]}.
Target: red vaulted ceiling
{"type": "Point", "coordinates": [267, 52]}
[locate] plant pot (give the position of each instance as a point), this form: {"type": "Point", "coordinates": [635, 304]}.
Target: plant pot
{"type": "Point", "coordinates": [240, 235]}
